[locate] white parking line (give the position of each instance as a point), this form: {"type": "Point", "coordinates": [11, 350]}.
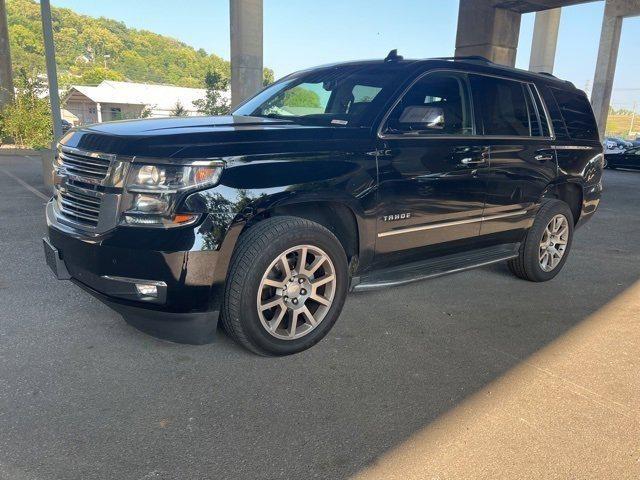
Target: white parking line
{"type": "Point", "coordinates": [25, 185]}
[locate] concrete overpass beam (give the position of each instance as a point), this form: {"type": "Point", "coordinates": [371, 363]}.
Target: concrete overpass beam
{"type": "Point", "coordinates": [545, 40]}
{"type": "Point", "coordinates": [489, 31]}
{"type": "Point", "coordinates": [6, 74]}
{"type": "Point", "coordinates": [246, 48]}
{"type": "Point", "coordinates": [614, 13]}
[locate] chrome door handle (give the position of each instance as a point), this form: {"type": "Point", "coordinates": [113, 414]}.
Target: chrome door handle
{"type": "Point", "coordinates": [544, 157]}
{"type": "Point", "coordinates": [472, 161]}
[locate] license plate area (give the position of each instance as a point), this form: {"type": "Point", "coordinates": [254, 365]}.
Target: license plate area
{"type": "Point", "coordinates": [56, 264]}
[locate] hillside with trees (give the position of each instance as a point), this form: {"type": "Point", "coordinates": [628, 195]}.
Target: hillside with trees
{"type": "Point", "coordinates": [90, 50]}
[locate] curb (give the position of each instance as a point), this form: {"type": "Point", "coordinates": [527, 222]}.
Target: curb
{"type": "Point", "coordinates": [20, 151]}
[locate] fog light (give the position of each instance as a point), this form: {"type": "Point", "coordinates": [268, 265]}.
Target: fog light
{"type": "Point", "coordinates": [147, 290]}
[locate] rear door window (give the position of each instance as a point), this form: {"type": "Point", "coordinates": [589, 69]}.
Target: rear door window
{"type": "Point", "coordinates": [502, 106]}
{"type": "Point", "coordinates": [578, 116]}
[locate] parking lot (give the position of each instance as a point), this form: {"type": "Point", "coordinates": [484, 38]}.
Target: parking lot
{"type": "Point", "coordinates": [471, 375]}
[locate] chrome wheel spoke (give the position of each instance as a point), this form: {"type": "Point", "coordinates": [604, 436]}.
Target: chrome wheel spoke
{"type": "Point", "coordinates": [294, 323]}
{"type": "Point", "coordinates": [317, 282]}
{"type": "Point", "coordinates": [274, 283]}
{"type": "Point", "coordinates": [302, 259]}
{"type": "Point", "coordinates": [320, 299]}
{"type": "Point", "coordinates": [313, 268]}
{"type": "Point", "coordinates": [271, 303]}
{"type": "Point", "coordinates": [310, 318]}
{"type": "Point", "coordinates": [286, 269]}
{"type": "Point", "coordinates": [277, 319]}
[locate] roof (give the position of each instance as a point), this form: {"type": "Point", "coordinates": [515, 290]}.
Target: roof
{"type": "Point", "coordinates": [158, 97]}
{"type": "Point", "coordinates": [476, 63]}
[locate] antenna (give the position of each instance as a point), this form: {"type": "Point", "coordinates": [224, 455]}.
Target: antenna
{"type": "Point", "coordinates": [393, 56]}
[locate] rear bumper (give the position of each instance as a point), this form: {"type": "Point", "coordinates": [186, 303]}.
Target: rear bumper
{"type": "Point", "coordinates": [181, 311]}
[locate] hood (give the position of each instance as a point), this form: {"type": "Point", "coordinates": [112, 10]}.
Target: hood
{"type": "Point", "coordinates": [203, 137]}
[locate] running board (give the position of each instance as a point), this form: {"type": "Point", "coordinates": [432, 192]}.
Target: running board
{"type": "Point", "coordinates": [434, 267]}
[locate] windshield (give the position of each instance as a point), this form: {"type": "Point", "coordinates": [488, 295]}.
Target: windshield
{"type": "Point", "coordinates": [342, 95]}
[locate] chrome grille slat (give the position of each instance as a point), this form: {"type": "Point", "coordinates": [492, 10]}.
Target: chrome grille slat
{"type": "Point", "coordinates": [83, 198]}
{"type": "Point", "coordinates": [85, 160]}
{"type": "Point", "coordinates": [85, 166]}
{"type": "Point", "coordinates": [79, 208]}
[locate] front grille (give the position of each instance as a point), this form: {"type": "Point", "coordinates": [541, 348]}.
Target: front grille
{"type": "Point", "coordinates": [87, 166]}
{"type": "Point", "coordinates": [79, 208]}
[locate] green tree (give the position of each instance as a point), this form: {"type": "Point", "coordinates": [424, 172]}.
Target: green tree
{"type": "Point", "coordinates": [179, 110]}
{"type": "Point", "coordinates": [301, 97]}
{"type": "Point", "coordinates": [90, 75]}
{"type": "Point", "coordinates": [268, 77]}
{"type": "Point", "coordinates": [27, 121]}
{"type": "Point", "coordinates": [214, 103]}
{"type": "Point", "coordinates": [84, 43]}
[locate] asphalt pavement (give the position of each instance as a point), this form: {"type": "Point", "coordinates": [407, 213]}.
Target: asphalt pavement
{"type": "Point", "coordinates": [85, 396]}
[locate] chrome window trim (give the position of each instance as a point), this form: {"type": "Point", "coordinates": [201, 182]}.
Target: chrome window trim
{"type": "Point", "coordinates": [573, 147]}
{"type": "Point", "coordinates": [546, 111]}
{"type": "Point", "coordinates": [476, 136]}
{"type": "Point", "coordinates": [451, 224]}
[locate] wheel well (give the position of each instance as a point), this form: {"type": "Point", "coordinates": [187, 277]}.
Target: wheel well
{"type": "Point", "coordinates": [571, 194]}
{"type": "Point", "coordinates": [334, 216]}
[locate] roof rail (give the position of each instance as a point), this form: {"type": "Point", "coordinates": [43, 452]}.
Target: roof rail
{"type": "Point", "coordinates": [468, 58]}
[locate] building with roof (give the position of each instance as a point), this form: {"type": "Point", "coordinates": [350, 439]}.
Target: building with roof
{"type": "Point", "coordinates": [111, 100]}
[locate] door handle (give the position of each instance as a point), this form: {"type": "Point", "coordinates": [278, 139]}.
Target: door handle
{"type": "Point", "coordinates": [544, 157]}
{"type": "Point", "coordinates": [473, 161]}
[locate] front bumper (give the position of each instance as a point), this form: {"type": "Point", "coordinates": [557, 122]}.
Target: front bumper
{"type": "Point", "coordinates": [109, 267]}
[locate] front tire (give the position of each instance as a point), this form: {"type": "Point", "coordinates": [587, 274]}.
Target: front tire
{"type": "Point", "coordinates": [546, 246]}
{"type": "Point", "coordinates": [286, 286]}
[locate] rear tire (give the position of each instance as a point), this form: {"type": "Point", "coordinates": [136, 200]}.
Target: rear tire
{"type": "Point", "coordinates": [273, 263]}
{"type": "Point", "coordinates": [547, 244]}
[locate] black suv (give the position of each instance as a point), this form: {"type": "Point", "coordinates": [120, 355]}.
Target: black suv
{"type": "Point", "coordinates": [351, 176]}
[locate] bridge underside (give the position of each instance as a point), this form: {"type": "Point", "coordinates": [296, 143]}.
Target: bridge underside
{"type": "Point", "coordinates": [528, 6]}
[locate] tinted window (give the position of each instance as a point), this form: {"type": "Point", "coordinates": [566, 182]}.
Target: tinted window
{"type": "Point", "coordinates": [437, 104]}
{"type": "Point", "coordinates": [502, 105]}
{"type": "Point", "coordinates": [577, 114]}
{"type": "Point", "coordinates": [559, 128]}
{"type": "Point", "coordinates": [338, 95]}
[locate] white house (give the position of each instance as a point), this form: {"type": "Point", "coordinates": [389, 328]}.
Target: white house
{"type": "Point", "coordinates": [113, 100]}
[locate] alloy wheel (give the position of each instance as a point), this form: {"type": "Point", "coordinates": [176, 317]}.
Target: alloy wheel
{"type": "Point", "coordinates": [554, 242]}
{"type": "Point", "coordinates": [296, 292]}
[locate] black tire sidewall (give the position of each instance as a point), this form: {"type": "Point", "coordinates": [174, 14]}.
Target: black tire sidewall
{"type": "Point", "coordinates": [250, 322]}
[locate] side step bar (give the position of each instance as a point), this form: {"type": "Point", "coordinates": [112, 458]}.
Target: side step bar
{"type": "Point", "coordinates": [434, 267]}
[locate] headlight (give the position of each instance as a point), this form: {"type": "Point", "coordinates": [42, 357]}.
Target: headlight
{"type": "Point", "coordinates": [156, 189]}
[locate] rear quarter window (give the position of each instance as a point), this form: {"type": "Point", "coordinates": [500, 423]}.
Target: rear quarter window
{"type": "Point", "coordinates": [578, 116]}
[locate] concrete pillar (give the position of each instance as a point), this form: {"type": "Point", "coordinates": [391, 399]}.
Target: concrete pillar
{"type": "Point", "coordinates": [605, 69]}
{"type": "Point", "coordinates": [614, 13]}
{"type": "Point", "coordinates": [6, 74]}
{"type": "Point", "coordinates": [99, 112]}
{"type": "Point", "coordinates": [488, 31]}
{"type": "Point", "coordinates": [246, 48]}
{"type": "Point", "coordinates": [52, 71]}
{"type": "Point", "coordinates": [545, 40]}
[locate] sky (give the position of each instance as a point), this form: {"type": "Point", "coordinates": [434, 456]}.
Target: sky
{"type": "Point", "coordinates": [304, 33]}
